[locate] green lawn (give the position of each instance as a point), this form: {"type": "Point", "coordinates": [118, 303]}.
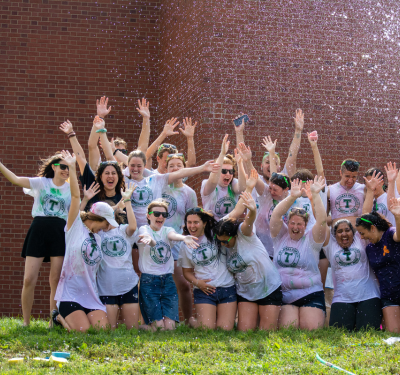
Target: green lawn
{"type": "Point", "coordinates": [188, 351]}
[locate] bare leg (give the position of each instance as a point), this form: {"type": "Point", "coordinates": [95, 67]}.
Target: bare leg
{"type": "Point", "coordinates": [206, 315]}
{"type": "Point", "coordinates": [98, 319]}
{"type": "Point", "coordinates": [289, 316]}
{"type": "Point", "coordinates": [184, 293]}
{"type": "Point", "coordinates": [112, 315]}
{"type": "Point", "coordinates": [32, 267]}
{"type": "Point", "coordinates": [248, 314]}
{"type": "Point", "coordinates": [269, 316]}
{"type": "Point", "coordinates": [323, 265]}
{"type": "Point", "coordinates": [130, 315]}
{"type": "Point", "coordinates": [226, 314]}
{"type": "Point", "coordinates": [311, 318]}
{"type": "Point", "coordinates": [391, 316]}
{"type": "Point", "coordinates": [55, 272]}
{"type": "Point", "coordinates": [169, 324]}
{"type": "Point", "coordinates": [78, 321]}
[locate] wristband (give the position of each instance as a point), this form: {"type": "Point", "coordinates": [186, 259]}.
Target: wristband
{"type": "Point", "coordinates": [117, 149]}
{"type": "Point", "coordinates": [70, 135]}
{"type": "Point", "coordinates": [101, 131]}
{"type": "Point", "coordinates": [127, 200]}
{"type": "Point", "coordinates": [101, 118]}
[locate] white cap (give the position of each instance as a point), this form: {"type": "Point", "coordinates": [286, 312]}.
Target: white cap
{"type": "Point", "coordinates": [104, 210]}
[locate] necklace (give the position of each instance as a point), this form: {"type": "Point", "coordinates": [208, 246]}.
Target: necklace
{"type": "Point", "coordinates": [87, 227]}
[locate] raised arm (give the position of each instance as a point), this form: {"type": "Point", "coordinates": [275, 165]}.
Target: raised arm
{"type": "Point", "coordinates": [394, 208]}
{"type": "Point", "coordinates": [392, 175]}
{"type": "Point", "coordinates": [213, 179]}
{"type": "Point", "coordinates": [73, 184]}
{"type": "Point", "coordinates": [99, 124]}
{"type": "Point", "coordinates": [190, 241]}
{"type": "Point", "coordinates": [295, 145]}
{"type": "Point", "coordinates": [313, 139]}
{"type": "Point", "coordinates": [126, 196]}
{"type": "Point", "coordinates": [246, 155]}
{"type": "Point", "coordinates": [270, 147]}
{"type": "Point", "coordinates": [14, 179]}
{"type": "Point", "coordinates": [371, 185]}
{"type": "Point", "coordinates": [208, 166]}
{"type": "Point", "coordinates": [144, 138]}
{"type": "Point", "coordinates": [77, 149]}
{"type": "Point", "coordinates": [188, 132]}
{"type": "Point", "coordinates": [250, 204]}
{"type": "Point", "coordinates": [239, 130]}
{"type": "Point", "coordinates": [169, 129]}
{"type": "Point", "coordinates": [241, 185]}
{"type": "Point", "coordinates": [89, 194]}
{"type": "Point", "coordinates": [319, 228]}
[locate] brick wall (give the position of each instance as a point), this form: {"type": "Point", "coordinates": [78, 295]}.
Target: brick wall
{"type": "Point", "coordinates": [337, 60]}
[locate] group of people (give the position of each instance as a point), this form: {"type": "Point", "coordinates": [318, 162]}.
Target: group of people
{"type": "Point", "coordinates": [255, 252]}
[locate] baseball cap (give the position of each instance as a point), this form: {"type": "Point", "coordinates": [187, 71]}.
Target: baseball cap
{"type": "Point", "coordinates": [104, 210]}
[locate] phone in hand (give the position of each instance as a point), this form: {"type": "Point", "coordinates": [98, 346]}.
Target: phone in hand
{"type": "Point", "coordinates": [239, 120]}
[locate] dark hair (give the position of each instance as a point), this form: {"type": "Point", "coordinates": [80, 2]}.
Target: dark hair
{"type": "Point", "coordinates": [120, 184]}
{"type": "Point", "coordinates": [350, 165]}
{"type": "Point", "coordinates": [227, 227]}
{"type": "Point", "coordinates": [373, 219]}
{"type": "Point", "coordinates": [280, 179]}
{"type": "Point", "coordinates": [342, 221]}
{"type": "Point", "coordinates": [371, 171]}
{"type": "Point", "coordinates": [303, 174]}
{"type": "Point", "coordinates": [45, 169]}
{"type": "Point", "coordinates": [206, 217]}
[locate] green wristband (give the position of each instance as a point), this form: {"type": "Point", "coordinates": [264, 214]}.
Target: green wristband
{"type": "Point", "coordinates": [127, 200]}
{"type": "Point", "coordinates": [101, 131]}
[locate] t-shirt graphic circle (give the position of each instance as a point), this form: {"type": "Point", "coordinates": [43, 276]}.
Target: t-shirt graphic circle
{"type": "Point", "coordinates": [90, 252]}
{"type": "Point", "coordinates": [53, 206]}
{"type": "Point", "coordinates": [382, 209]}
{"type": "Point", "coordinates": [205, 254]}
{"type": "Point", "coordinates": [160, 253]}
{"type": "Point", "coordinates": [172, 204]}
{"type": "Point", "coordinates": [236, 263]}
{"type": "Point", "coordinates": [142, 196]}
{"type": "Point", "coordinates": [114, 246]}
{"type": "Point", "coordinates": [348, 258]}
{"type": "Point", "coordinates": [288, 257]}
{"type": "Point", "coordinates": [224, 205]}
{"type": "Point", "coordinates": [284, 217]}
{"type": "Point", "coordinates": [347, 203]}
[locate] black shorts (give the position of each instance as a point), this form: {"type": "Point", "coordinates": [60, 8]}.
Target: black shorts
{"type": "Point", "coordinates": [322, 255]}
{"type": "Point", "coordinates": [67, 308]}
{"type": "Point", "coordinates": [273, 299]}
{"type": "Point", "coordinates": [128, 297]}
{"type": "Point", "coordinates": [316, 299]}
{"type": "Point", "coordinates": [390, 302]}
{"type": "Point", "coordinates": [45, 238]}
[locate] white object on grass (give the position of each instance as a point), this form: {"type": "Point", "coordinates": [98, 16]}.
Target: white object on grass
{"type": "Point", "coordinates": [331, 365]}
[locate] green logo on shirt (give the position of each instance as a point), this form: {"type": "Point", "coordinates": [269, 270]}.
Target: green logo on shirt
{"type": "Point", "coordinates": [53, 206]}
{"type": "Point", "coordinates": [90, 252]}
{"type": "Point", "coordinates": [288, 257]}
{"type": "Point", "coordinates": [114, 246]}
{"type": "Point", "coordinates": [347, 203]}
{"type": "Point", "coordinates": [382, 209]}
{"type": "Point", "coordinates": [348, 257]}
{"type": "Point", "coordinates": [160, 253]}
{"type": "Point", "coordinates": [172, 204]}
{"type": "Point", "coordinates": [224, 205]}
{"type": "Point", "coordinates": [205, 254]}
{"type": "Point", "coordinates": [142, 196]}
{"type": "Point", "coordinates": [236, 263]}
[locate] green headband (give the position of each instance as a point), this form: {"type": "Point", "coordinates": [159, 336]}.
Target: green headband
{"type": "Point", "coordinates": [367, 220]}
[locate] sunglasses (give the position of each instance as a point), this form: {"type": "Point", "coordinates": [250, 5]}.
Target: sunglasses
{"type": "Point", "coordinates": [224, 242]}
{"type": "Point", "coordinates": [300, 211]}
{"type": "Point", "coordinates": [158, 213]}
{"type": "Point", "coordinates": [266, 153]}
{"type": "Point", "coordinates": [109, 162]}
{"type": "Point", "coordinates": [194, 210]}
{"type": "Point", "coordinates": [63, 167]}
{"type": "Point", "coordinates": [125, 152]}
{"type": "Point", "coordinates": [280, 177]}
{"type": "Point", "coordinates": [226, 171]}
{"type": "Point", "coordinates": [179, 155]}
{"type": "Point", "coordinates": [166, 145]}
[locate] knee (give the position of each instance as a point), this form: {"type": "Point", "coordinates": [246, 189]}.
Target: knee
{"type": "Point", "coordinates": [29, 281]}
{"type": "Point", "coordinates": [54, 279]}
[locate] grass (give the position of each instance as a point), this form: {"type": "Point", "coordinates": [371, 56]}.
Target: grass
{"type": "Point", "coordinates": [188, 351]}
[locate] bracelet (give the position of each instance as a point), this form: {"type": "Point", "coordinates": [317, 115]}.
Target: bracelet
{"type": "Point", "coordinates": [101, 131]}
{"type": "Point", "coordinates": [127, 200]}
{"type": "Point", "coordinates": [70, 135]}
{"type": "Point", "coordinates": [101, 118]}
{"type": "Point", "coordinates": [117, 149]}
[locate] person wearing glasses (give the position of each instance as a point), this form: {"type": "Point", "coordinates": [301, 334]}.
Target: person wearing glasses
{"type": "Point", "coordinates": [158, 296]}
{"type": "Point", "coordinates": [220, 191]}
{"type": "Point", "coordinates": [346, 197]}
{"type": "Point", "coordinates": [52, 199]}
{"type": "Point", "coordinates": [180, 198]}
{"type": "Point", "coordinates": [256, 278]}
{"type": "Point", "coordinates": [214, 288]}
{"type": "Point", "coordinates": [296, 257]}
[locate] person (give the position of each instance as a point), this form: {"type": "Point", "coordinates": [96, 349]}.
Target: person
{"type": "Point", "coordinates": [296, 257]}
{"type": "Point", "coordinates": [52, 199]}
{"type": "Point", "coordinates": [356, 301]}
{"type": "Point", "coordinates": [257, 280]}
{"type": "Point", "coordinates": [179, 198]}
{"type": "Point", "coordinates": [383, 252]}
{"type": "Point", "coordinates": [214, 288]}
{"type": "Point", "coordinates": [77, 294]}
{"type": "Point", "coordinates": [117, 281]}
{"type": "Point", "coordinates": [346, 197]}
{"type": "Point", "coordinates": [220, 191]}
{"type": "Point", "coordinates": [158, 296]}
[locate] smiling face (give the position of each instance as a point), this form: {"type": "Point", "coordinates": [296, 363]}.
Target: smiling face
{"type": "Point", "coordinates": [348, 179]}
{"type": "Point", "coordinates": [373, 235]}
{"type": "Point", "coordinates": [156, 223]}
{"type": "Point", "coordinates": [297, 227]}
{"type": "Point", "coordinates": [136, 168]}
{"type": "Point", "coordinates": [162, 162]}
{"type": "Point", "coordinates": [58, 172]}
{"type": "Point", "coordinates": [109, 178]}
{"type": "Point", "coordinates": [175, 165]}
{"type": "Point", "coordinates": [344, 235]}
{"type": "Point", "coordinates": [195, 225]}
{"type": "Point", "coordinates": [277, 192]}
{"type": "Point", "coordinates": [225, 179]}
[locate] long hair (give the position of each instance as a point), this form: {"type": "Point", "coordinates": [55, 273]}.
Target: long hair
{"type": "Point", "coordinates": [206, 217]}
{"type": "Point", "coordinates": [45, 169]}
{"type": "Point", "coordinates": [120, 184]}
{"type": "Point", "coordinates": [227, 227]}
{"type": "Point", "coordinates": [373, 219]}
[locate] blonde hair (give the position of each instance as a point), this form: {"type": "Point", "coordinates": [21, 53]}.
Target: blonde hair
{"type": "Point", "coordinates": [157, 204]}
{"type": "Point", "coordinates": [91, 216]}
{"type": "Point", "coordinates": [179, 157]}
{"type": "Point", "coordinates": [137, 154]}
{"type": "Point", "coordinates": [119, 141]}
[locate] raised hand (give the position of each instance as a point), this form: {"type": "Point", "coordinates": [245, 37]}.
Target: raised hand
{"type": "Point", "coordinates": [296, 190]}
{"type": "Point", "coordinates": [317, 186]}
{"type": "Point", "coordinates": [391, 171]}
{"type": "Point", "coordinates": [238, 156]}
{"type": "Point", "coordinates": [66, 127]}
{"type": "Point", "coordinates": [268, 144]}
{"type": "Point", "coordinates": [188, 128]}
{"type": "Point", "coordinates": [98, 123]}
{"type": "Point", "coordinates": [239, 128]}
{"type": "Point", "coordinates": [210, 166]}
{"type": "Point", "coordinates": [225, 145]}
{"type": "Point", "coordinates": [144, 108]}
{"type": "Point", "coordinates": [128, 191]}
{"type": "Point", "coordinates": [252, 180]}
{"type": "Point", "coordinates": [170, 126]}
{"type": "Point", "coordinates": [68, 158]}
{"type": "Point", "coordinates": [299, 120]}
{"type": "Point", "coordinates": [395, 207]}
{"type": "Point", "coordinates": [374, 182]}
{"type": "Point", "coordinates": [92, 191]}
{"type": "Point", "coordinates": [190, 241]}
{"type": "Point", "coordinates": [248, 201]}
{"type": "Point", "coordinates": [312, 138]}
{"type": "Point", "coordinates": [244, 152]}
{"type": "Point", "coordinates": [205, 288]}
{"type": "Point", "coordinates": [101, 104]}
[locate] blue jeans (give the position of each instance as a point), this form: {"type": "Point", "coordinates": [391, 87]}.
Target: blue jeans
{"type": "Point", "coordinates": [158, 297]}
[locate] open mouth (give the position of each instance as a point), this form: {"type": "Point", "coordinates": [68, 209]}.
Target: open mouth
{"type": "Point", "coordinates": [159, 222]}
{"type": "Point", "coordinates": [110, 183]}
{"type": "Point", "coordinates": [226, 180]}
{"type": "Point", "coordinates": [295, 231]}
{"type": "Point", "coordinates": [345, 240]}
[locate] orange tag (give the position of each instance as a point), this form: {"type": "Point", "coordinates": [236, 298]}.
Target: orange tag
{"type": "Point", "coordinates": [385, 250]}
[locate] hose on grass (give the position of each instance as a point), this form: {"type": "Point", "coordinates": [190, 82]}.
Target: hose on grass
{"type": "Point", "coordinates": [332, 365]}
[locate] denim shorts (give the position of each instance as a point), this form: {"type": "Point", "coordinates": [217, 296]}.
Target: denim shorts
{"type": "Point", "coordinates": [158, 297]}
{"type": "Point", "coordinates": [221, 295]}
{"type": "Point", "coordinates": [390, 302]}
{"type": "Point", "coordinates": [316, 299]}
{"type": "Point", "coordinates": [128, 297]}
{"type": "Point", "coordinates": [273, 299]}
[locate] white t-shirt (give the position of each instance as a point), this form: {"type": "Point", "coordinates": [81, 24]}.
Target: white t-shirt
{"type": "Point", "coordinates": [49, 199]}
{"type": "Point", "coordinates": [206, 263]}
{"type": "Point", "coordinates": [353, 278]}
{"type": "Point", "coordinates": [156, 260]}
{"type": "Point", "coordinates": [383, 208]}
{"type": "Point", "coordinates": [219, 202]}
{"type": "Point", "coordinates": [116, 275]}
{"type": "Point", "coordinates": [256, 277]}
{"type": "Point", "coordinates": [147, 190]}
{"type": "Point", "coordinates": [81, 262]}
{"type": "Point", "coordinates": [346, 202]}
{"type": "Point", "coordinates": [297, 263]}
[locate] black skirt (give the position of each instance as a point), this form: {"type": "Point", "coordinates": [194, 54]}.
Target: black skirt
{"type": "Point", "coordinates": [45, 238]}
